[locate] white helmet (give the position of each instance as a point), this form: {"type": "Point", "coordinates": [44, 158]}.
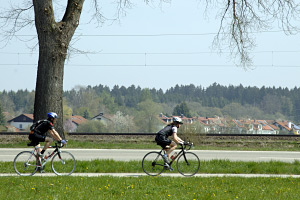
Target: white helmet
{"type": "Point", "coordinates": [178, 120]}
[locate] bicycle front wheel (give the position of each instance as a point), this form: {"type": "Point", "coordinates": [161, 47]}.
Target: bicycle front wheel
{"type": "Point", "coordinates": [153, 163]}
{"type": "Point", "coordinates": [63, 163]}
{"type": "Point", "coordinates": [188, 164]}
{"type": "Point", "coordinates": [25, 163]}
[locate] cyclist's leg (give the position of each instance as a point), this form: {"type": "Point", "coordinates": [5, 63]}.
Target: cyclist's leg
{"type": "Point", "coordinates": [48, 142]}
{"type": "Point", "coordinates": [173, 146]}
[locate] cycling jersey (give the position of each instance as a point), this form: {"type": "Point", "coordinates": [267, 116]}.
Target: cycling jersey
{"type": "Point", "coordinates": [162, 135]}
{"type": "Point", "coordinates": [44, 127]}
{"type": "Point", "coordinates": [168, 130]}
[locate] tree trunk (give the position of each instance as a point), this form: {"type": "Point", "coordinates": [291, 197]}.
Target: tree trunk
{"type": "Point", "coordinates": [54, 38]}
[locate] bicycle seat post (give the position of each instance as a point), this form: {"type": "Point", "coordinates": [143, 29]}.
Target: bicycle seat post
{"type": "Point", "coordinates": [36, 148]}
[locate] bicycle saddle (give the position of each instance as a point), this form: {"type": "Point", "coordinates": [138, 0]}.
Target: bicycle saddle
{"type": "Point", "coordinates": [30, 144]}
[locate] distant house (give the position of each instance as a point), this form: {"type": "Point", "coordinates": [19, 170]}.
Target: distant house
{"type": "Point", "coordinates": [256, 127]}
{"type": "Point", "coordinates": [165, 119]}
{"type": "Point", "coordinates": [102, 117]}
{"type": "Point", "coordinates": [75, 121]}
{"type": "Point", "coordinates": [287, 127]}
{"type": "Point", "coordinates": [21, 122]}
{"type": "Point", "coordinates": [205, 122]}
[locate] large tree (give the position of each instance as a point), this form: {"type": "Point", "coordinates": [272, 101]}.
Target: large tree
{"type": "Point", "coordinates": [238, 20]}
{"type": "Point", "coordinates": [54, 39]}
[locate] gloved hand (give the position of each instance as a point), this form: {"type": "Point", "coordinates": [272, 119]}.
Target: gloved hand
{"type": "Point", "coordinates": [63, 141]}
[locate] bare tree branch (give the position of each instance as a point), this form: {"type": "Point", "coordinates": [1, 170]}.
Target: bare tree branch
{"type": "Point", "coordinates": [240, 18]}
{"type": "Point", "coordinates": [13, 20]}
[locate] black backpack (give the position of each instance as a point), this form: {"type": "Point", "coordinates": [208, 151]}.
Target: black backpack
{"type": "Point", "coordinates": [36, 124]}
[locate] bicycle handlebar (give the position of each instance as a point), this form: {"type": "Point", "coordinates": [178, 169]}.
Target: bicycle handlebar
{"type": "Point", "coordinates": [60, 145]}
{"type": "Point", "coordinates": [185, 144]}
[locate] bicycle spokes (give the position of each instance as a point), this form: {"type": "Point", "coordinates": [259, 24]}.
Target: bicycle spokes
{"type": "Point", "coordinates": [188, 164]}
{"type": "Point", "coordinates": [63, 163]}
{"type": "Point", "coordinates": [25, 163]}
{"type": "Point", "coordinates": [153, 163]}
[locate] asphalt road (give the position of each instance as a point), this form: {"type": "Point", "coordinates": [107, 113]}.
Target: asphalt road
{"type": "Point", "coordinates": [8, 154]}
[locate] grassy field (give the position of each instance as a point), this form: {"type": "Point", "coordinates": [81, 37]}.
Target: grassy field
{"type": "Point", "coordinates": [146, 187]}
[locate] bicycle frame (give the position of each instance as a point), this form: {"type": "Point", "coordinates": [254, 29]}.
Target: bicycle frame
{"type": "Point", "coordinates": [47, 158]}
{"type": "Point", "coordinates": [182, 151]}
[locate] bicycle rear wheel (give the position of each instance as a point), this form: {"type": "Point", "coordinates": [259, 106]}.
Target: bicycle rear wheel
{"type": "Point", "coordinates": [25, 163]}
{"type": "Point", "coordinates": [188, 164]}
{"type": "Point", "coordinates": [63, 163]}
{"type": "Point", "coordinates": [153, 163]}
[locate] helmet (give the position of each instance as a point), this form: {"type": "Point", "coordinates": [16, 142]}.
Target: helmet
{"type": "Point", "coordinates": [52, 115]}
{"type": "Point", "coordinates": [178, 120]}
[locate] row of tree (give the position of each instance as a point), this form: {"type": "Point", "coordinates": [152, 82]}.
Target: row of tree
{"type": "Point", "coordinates": [265, 100]}
{"type": "Point", "coordinates": [140, 106]}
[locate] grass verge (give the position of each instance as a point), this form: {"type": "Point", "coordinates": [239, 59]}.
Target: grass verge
{"type": "Point", "coordinates": [148, 188]}
{"type": "Point", "coordinates": [213, 166]}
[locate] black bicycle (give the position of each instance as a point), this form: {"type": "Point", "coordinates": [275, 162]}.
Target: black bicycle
{"type": "Point", "coordinates": [188, 163]}
{"type": "Point", "coordinates": [26, 163]}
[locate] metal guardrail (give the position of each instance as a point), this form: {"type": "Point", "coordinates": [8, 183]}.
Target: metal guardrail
{"type": "Point", "coordinates": [148, 134]}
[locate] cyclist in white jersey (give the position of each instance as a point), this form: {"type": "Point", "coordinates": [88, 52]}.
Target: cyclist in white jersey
{"type": "Point", "coordinates": [163, 140]}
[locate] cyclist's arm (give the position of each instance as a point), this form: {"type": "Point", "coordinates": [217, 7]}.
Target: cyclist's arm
{"type": "Point", "coordinates": [177, 139]}
{"type": "Point", "coordinates": [55, 135]}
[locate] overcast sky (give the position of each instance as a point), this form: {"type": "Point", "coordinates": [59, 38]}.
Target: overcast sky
{"type": "Point", "coordinates": [155, 47]}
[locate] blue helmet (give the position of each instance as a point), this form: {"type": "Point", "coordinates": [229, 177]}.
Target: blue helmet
{"type": "Point", "coordinates": [52, 115]}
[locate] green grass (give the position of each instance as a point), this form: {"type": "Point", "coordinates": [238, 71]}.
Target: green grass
{"type": "Point", "coordinates": [136, 188]}
{"type": "Point", "coordinates": [213, 166]}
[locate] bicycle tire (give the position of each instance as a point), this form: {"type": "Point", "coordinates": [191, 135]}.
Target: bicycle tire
{"type": "Point", "coordinates": [63, 163]}
{"type": "Point", "coordinates": [153, 163]}
{"type": "Point", "coordinates": [25, 163]}
{"type": "Point", "coordinates": [188, 164]}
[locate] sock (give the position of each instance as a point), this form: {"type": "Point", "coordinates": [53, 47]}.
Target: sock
{"type": "Point", "coordinates": [43, 151]}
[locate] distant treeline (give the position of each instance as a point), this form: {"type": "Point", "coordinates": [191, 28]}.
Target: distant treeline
{"type": "Point", "coordinates": [233, 101]}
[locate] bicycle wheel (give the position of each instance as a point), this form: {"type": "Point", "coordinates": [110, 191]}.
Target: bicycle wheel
{"type": "Point", "coordinates": [153, 163]}
{"type": "Point", "coordinates": [63, 163]}
{"type": "Point", "coordinates": [25, 163]}
{"type": "Point", "coordinates": [188, 164]}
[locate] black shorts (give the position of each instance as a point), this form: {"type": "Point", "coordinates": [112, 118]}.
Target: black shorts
{"type": "Point", "coordinates": [36, 138]}
{"type": "Point", "coordinates": [162, 140]}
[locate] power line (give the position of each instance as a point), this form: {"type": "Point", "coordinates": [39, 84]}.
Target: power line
{"type": "Point", "coordinates": [158, 65]}
{"type": "Point", "coordinates": [160, 53]}
{"type": "Point", "coordinates": [155, 35]}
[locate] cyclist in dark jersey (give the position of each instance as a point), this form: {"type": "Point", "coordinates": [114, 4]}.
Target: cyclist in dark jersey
{"type": "Point", "coordinates": [39, 133]}
{"type": "Point", "coordinates": [166, 143]}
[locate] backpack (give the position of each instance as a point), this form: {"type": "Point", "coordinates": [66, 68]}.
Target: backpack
{"type": "Point", "coordinates": [36, 124]}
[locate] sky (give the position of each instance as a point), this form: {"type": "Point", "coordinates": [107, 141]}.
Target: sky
{"type": "Point", "coordinates": [155, 47]}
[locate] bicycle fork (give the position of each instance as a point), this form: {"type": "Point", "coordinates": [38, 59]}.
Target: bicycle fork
{"type": "Point", "coordinates": [60, 158]}
{"type": "Point", "coordinates": [187, 162]}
